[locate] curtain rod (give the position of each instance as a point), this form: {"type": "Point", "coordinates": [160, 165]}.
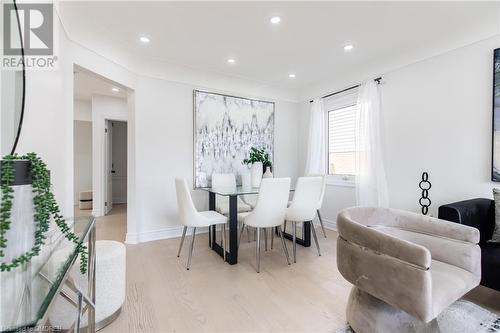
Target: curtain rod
{"type": "Point", "coordinates": [347, 89]}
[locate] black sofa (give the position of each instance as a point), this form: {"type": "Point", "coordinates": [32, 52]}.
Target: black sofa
{"type": "Point", "coordinates": [480, 214]}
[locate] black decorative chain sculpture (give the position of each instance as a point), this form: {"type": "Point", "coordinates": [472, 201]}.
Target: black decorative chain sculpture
{"type": "Point", "coordinates": [425, 185]}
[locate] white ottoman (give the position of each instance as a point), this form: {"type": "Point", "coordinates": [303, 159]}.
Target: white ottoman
{"type": "Point", "coordinates": [85, 200]}
{"type": "Point", "coordinates": [110, 287]}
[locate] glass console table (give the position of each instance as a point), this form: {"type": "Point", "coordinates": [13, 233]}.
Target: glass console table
{"type": "Point", "coordinates": [28, 292]}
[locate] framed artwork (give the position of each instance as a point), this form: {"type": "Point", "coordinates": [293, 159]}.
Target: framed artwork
{"type": "Point", "coordinates": [225, 128]}
{"type": "Point", "coordinates": [495, 170]}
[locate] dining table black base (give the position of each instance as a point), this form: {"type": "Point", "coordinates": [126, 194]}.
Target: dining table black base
{"type": "Point", "coordinates": [232, 250]}
{"type": "Point", "coordinates": [305, 241]}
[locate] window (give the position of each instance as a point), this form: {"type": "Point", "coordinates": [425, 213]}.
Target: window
{"type": "Point", "coordinates": [342, 141]}
{"type": "Point", "coordinates": [341, 110]}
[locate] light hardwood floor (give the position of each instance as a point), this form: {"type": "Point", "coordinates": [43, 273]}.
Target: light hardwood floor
{"type": "Point", "coordinates": [162, 296]}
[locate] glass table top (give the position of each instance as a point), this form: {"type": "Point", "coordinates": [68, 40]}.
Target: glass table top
{"type": "Point", "coordinates": [239, 190]}
{"type": "Point", "coordinates": [26, 292]}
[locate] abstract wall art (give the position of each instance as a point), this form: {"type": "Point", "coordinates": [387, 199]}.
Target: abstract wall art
{"type": "Point", "coordinates": [495, 171]}
{"type": "Point", "coordinates": [225, 128]}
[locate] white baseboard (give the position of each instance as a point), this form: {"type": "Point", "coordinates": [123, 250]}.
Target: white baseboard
{"type": "Point", "coordinates": [159, 234]}
{"type": "Point", "coordinates": [330, 224]}
{"type": "Point", "coordinates": [119, 201]}
{"type": "Point", "coordinates": [176, 232]}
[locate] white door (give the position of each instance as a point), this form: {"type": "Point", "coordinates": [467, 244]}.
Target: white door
{"type": "Point", "coordinates": [108, 176]}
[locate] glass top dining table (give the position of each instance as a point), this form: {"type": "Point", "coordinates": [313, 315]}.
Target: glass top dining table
{"type": "Point", "coordinates": [232, 194]}
{"type": "Point", "coordinates": [231, 191]}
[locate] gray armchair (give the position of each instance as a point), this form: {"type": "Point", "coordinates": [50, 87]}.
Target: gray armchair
{"type": "Point", "coordinates": [406, 268]}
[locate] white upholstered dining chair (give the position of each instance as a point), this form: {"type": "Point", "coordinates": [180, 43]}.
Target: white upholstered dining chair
{"type": "Point", "coordinates": [303, 207]}
{"type": "Point", "coordinates": [320, 203]}
{"type": "Point", "coordinates": [226, 182]}
{"type": "Point", "coordinates": [269, 212]}
{"type": "Point", "coordinates": [190, 217]}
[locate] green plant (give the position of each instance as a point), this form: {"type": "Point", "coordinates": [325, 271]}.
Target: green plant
{"type": "Point", "coordinates": [258, 155]}
{"type": "Point", "coordinates": [45, 206]}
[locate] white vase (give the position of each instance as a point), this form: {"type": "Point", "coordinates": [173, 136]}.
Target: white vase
{"type": "Point", "coordinates": [268, 173]}
{"type": "Point", "coordinates": [246, 180]}
{"type": "Point", "coordinates": [256, 172]}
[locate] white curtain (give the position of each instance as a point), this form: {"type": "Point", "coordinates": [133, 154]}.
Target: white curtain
{"type": "Point", "coordinates": [371, 184]}
{"type": "Point", "coordinates": [316, 144]}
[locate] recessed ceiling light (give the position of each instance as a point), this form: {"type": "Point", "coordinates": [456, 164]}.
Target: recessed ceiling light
{"type": "Point", "coordinates": [348, 47]}
{"type": "Point", "coordinates": [275, 19]}
{"type": "Point", "coordinates": [231, 61]}
{"type": "Point", "coordinates": [144, 39]}
{"type": "Point", "coordinates": [115, 89]}
{"type": "Point", "coordinates": [291, 76]}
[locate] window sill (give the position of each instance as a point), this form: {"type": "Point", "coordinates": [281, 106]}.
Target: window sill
{"type": "Point", "coordinates": [341, 181]}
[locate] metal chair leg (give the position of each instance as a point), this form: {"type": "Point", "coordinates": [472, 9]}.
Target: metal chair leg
{"type": "Point", "coordinates": [182, 241]}
{"type": "Point", "coordinates": [241, 233]}
{"type": "Point", "coordinates": [265, 238]}
{"type": "Point", "coordinates": [257, 250]}
{"type": "Point", "coordinates": [191, 249]}
{"type": "Point", "coordinates": [224, 240]}
{"type": "Point", "coordinates": [221, 239]}
{"type": "Point", "coordinates": [284, 245]}
{"type": "Point", "coordinates": [248, 235]}
{"type": "Point", "coordinates": [294, 242]}
{"type": "Point", "coordinates": [315, 238]}
{"type": "Point", "coordinates": [321, 222]}
{"type": "Point", "coordinates": [284, 227]}
{"type": "Point", "coordinates": [272, 237]}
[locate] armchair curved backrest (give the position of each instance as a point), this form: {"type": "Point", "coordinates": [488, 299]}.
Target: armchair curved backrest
{"type": "Point", "coordinates": [478, 213]}
{"type": "Point", "coordinates": [391, 254]}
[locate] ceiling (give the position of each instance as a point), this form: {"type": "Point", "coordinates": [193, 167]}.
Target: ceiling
{"type": "Point", "coordinates": [87, 84]}
{"type": "Point", "coordinates": [308, 42]}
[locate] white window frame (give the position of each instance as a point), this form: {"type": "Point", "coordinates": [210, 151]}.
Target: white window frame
{"type": "Point", "coordinates": [345, 99]}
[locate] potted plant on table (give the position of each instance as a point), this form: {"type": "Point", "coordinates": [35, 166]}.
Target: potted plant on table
{"type": "Point", "coordinates": [258, 161]}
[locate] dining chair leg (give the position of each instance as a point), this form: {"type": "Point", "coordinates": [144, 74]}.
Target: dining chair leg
{"type": "Point", "coordinates": [221, 238]}
{"type": "Point", "coordinates": [321, 222]}
{"type": "Point", "coordinates": [224, 240]}
{"type": "Point", "coordinates": [182, 241]}
{"type": "Point", "coordinates": [265, 238]}
{"type": "Point", "coordinates": [248, 235]}
{"type": "Point", "coordinates": [191, 249]}
{"type": "Point", "coordinates": [315, 238]}
{"type": "Point", "coordinates": [241, 233]}
{"type": "Point", "coordinates": [284, 227]}
{"type": "Point", "coordinates": [272, 237]}
{"type": "Point", "coordinates": [294, 241]}
{"type": "Point", "coordinates": [257, 250]}
{"type": "Point", "coordinates": [284, 245]}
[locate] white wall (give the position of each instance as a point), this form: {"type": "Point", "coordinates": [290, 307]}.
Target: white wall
{"type": "Point", "coordinates": [11, 83]}
{"type": "Point", "coordinates": [164, 150]}
{"type": "Point", "coordinates": [164, 136]}
{"type": "Point", "coordinates": [119, 162]}
{"type": "Point", "coordinates": [436, 118]}
{"type": "Point", "coordinates": [48, 123]}
{"type": "Point", "coordinates": [83, 110]}
{"type": "Point", "coordinates": [83, 157]}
